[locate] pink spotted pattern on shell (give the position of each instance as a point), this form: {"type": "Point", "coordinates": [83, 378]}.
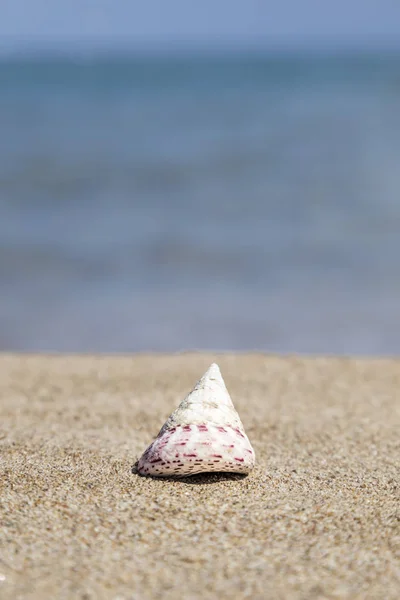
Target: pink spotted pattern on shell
{"type": "Point", "coordinates": [204, 434]}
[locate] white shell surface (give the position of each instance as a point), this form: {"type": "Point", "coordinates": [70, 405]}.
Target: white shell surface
{"type": "Point", "coordinates": [204, 434]}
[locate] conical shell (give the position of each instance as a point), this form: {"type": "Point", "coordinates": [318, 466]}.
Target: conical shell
{"type": "Point", "coordinates": [203, 434]}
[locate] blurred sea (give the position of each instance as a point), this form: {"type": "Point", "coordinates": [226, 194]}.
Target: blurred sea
{"type": "Point", "coordinates": [235, 203]}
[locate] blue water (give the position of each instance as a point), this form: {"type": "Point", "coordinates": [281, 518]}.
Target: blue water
{"type": "Point", "coordinates": [234, 203]}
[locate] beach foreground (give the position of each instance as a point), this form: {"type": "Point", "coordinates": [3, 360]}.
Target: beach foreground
{"type": "Point", "coordinates": [318, 517]}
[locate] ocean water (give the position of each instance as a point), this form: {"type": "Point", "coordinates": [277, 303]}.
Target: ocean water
{"type": "Point", "coordinates": [226, 203]}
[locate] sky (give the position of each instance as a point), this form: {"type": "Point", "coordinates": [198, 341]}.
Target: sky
{"type": "Point", "coordinates": [147, 23]}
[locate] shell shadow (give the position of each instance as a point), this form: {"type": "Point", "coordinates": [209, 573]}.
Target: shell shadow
{"type": "Point", "coordinates": [198, 478]}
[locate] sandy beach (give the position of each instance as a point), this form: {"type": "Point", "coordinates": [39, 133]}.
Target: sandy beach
{"type": "Point", "coordinates": [319, 517]}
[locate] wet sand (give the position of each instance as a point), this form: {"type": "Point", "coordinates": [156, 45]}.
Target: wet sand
{"type": "Point", "coordinates": [319, 517]}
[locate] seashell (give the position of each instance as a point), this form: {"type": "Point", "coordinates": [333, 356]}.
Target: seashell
{"type": "Point", "coordinates": [202, 435]}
